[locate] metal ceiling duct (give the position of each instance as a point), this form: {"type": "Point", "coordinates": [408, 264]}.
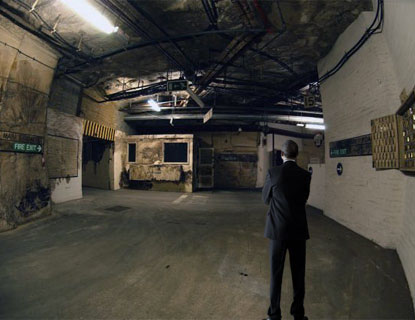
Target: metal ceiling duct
{"type": "Point", "coordinates": [191, 129]}
{"type": "Point", "coordinates": [224, 116]}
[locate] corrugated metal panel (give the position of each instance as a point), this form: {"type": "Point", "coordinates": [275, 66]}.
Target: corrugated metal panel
{"type": "Point", "coordinates": [96, 130]}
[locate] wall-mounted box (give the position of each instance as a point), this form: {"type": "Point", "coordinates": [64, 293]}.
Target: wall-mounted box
{"type": "Point", "coordinates": [407, 133]}
{"type": "Point", "coordinates": [385, 142]}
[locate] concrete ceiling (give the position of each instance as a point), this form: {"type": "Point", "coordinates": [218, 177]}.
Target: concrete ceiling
{"type": "Point", "coordinates": [274, 45]}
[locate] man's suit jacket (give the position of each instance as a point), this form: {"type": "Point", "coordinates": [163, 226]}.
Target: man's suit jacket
{"type": "Point", "coordinates": [286, 190]}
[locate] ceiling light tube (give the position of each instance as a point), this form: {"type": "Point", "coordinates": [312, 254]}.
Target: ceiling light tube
{"type": "Point", "coordinates": [154, 105]}
{"type": "Point", "coordinates": [91, 14]}
{"type": "Point", "coordinates": [300, 124]}
{"type": "Point", "coordinates": [315, 126]}
{"type": "Point", "coordinates": [302, 119]}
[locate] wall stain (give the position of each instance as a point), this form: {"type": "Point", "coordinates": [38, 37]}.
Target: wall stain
{"type": "Point", "coordinates": [36, 198]}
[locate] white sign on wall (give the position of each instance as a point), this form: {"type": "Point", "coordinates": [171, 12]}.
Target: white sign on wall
{"type": "Point", "coordinates": [309, 101]}
{"type": "Point", "coordinates": [208, 116]}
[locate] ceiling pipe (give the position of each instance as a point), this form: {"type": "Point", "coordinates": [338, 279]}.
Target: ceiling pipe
{"type": "Point", "coordinates": [223, 116]}
{"type": "Point", "coordinates": [49, 40]}
{"type": "Point", "coordinates": [143, 44]}
{"type": "Point", "coordinates": [232, 51]}
{"type": "Point", "coordinates": [212, 17]}
{"type": "Point", "coordinates": [267, 24]}
{"type": "Point", "coordinates": [140, 30]}
{"type": "Point", "coordinates": [163, 31]}
{"type": "Point", "coordinates": [137, 108]}
{"type": "Point", "coordinates": [222, 128]}
{"type": "Point", "coordinates": [56, 36]}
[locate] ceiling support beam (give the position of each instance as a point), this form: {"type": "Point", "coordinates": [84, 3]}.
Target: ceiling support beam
{"type": "Point", "coordinates": [234, 49]}
{"type": "Point", "coordinates": [246, 83]}
{"type": "Point", "coordinates": [229, 54]}
{"type": "Point", "coordinates": [270, 57]}
{"type": "Point", "coordinates": [222, 128]}
{"type": "Point", "coordinates": [195, 97]}
{"type": "Point", "coordinates": [211, 12]}
{"type": "Point", "coordinates": [275, 59]}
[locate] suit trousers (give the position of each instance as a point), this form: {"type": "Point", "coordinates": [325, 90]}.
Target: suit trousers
{"type": "Point", "coordinates": [297, 252]}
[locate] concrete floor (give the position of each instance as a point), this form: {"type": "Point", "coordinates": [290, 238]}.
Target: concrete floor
{"type": "Point", "coordinates": [193, 256]}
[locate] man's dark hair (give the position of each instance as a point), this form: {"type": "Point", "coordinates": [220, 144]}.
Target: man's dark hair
{"type": "Point", "coordinates": [290, 149]}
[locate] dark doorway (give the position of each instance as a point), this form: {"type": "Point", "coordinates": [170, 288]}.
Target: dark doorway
{"type": "Point", "coordinates": [96, 157]}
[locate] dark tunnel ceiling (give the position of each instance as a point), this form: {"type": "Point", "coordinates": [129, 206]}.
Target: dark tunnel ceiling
{"type": "Point", "coordinates": [274, 57]}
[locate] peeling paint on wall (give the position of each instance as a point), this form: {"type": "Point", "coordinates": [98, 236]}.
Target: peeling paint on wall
{"type": "Point", "coordinates": [24, 89]}
{"type": "Point", "coordinates": [236, 158]}
{"type": "Point", "coordinates": [36, 197]}
{"type": "Point", "coordinates": [150, 172]}
{"type": "Point", "coordinates": [65, 125]}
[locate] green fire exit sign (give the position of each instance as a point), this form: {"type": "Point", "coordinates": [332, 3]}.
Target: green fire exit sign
{"type": "Point", "coordinates": [27, 147]}
{"type": "Point", "coordinates": [177, 85]}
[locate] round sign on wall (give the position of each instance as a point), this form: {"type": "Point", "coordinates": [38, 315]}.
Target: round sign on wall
{"type": "Point", "coordinates": [339, 169]}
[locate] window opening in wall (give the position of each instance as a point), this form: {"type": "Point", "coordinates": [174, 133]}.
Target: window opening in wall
{"type": "Point", "coordinates": [176, 152]}
{"type": "Point", "coordinates": [132, 147]}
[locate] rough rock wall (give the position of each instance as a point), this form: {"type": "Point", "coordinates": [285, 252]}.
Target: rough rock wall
{"type": "Point", "coordinates": [107, 113]}
{"type": "Point", "coordinates": [24, 89]}
{"type": "Point", "coordinates": [103, 113]}
{"type": "Point", "coordinates": [65, 96]}
{"type": "Point", "coordinates": [63, 125]}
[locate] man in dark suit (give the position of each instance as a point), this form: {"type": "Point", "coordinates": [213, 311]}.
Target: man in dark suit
{"type": "Point", "coordinates": [286, 190]}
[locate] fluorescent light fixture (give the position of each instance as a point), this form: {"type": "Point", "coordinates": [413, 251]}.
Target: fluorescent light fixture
{"type": "Point", "coordinates": [154, 105]}
{"type": "Point", "coordinates": [302, 119]}
{"type": "Point", "coordinates": [300, 124]}
{"type": "Point", "coordinates": [91, 14]}
{"type": "Point", "coordinates": [315, 126]}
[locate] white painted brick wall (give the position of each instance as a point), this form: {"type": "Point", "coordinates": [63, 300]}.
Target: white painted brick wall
{"type": "Point", "coordinates": [406, 244]}
{"type": "Point", "coordinates": [376, 204]}
{"type": "Point", "coordinates": [400, 37]}
{"type": "Point", "coordinates": [364, 200]}
{"type": "Point", "coordinates": [318, 188]}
